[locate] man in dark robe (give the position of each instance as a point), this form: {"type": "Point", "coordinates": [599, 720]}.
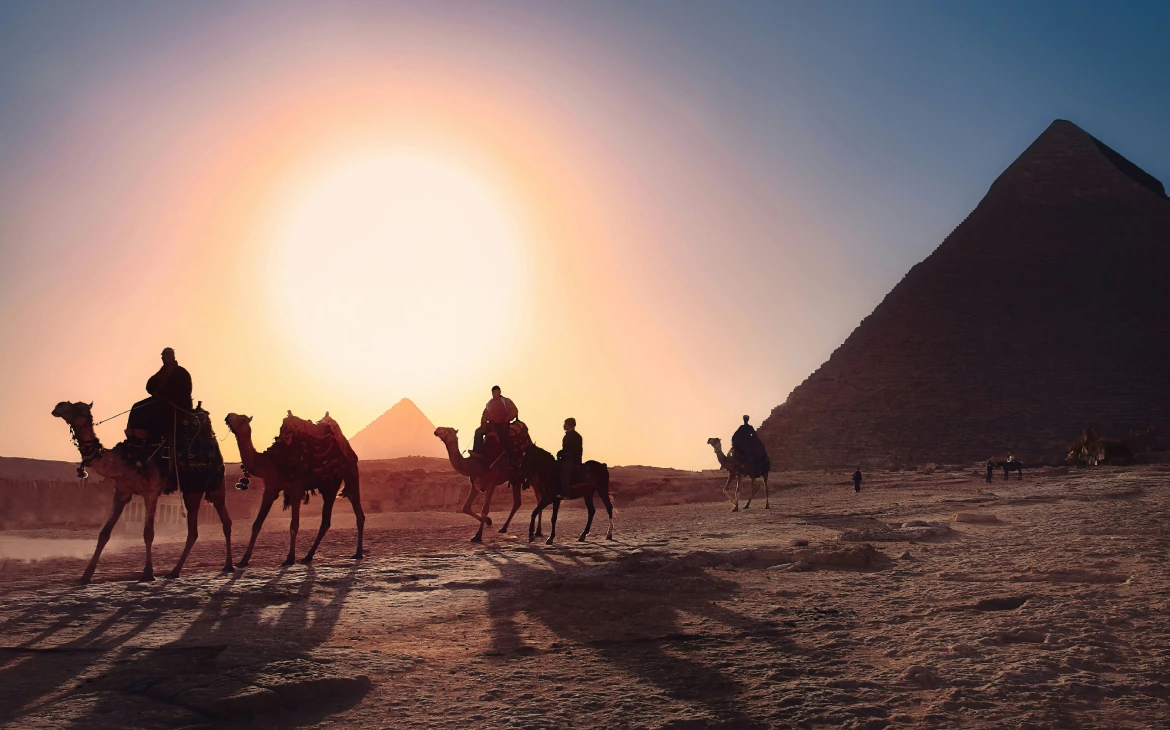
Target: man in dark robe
{"type": "Point", "coordinates": [572, 448]}
{"type": "Point", "coordinates": [170, 390]}
{"type": "Point", "coordinates": [744, 439]}
{"type": "Point", "coordinates": [857, 480]}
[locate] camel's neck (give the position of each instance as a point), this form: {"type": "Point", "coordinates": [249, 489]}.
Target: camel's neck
{"type": "Point", "coordinates": [251, 460]}
{"type": "Point", "coordinates": [719, 454]}
{"type": "Point", "coordinates": [458, 463]}
{"type": "Point", "coordinates": [97, 459]}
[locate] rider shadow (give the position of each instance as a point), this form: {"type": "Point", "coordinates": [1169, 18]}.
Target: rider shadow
{"type": "Point", "coordinates": [636, 621]}
{"type": "Point", "coordinates": [217, 658]}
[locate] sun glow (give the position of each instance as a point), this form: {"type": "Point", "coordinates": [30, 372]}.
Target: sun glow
{"type": "Point", "coordinates": [396, 268]}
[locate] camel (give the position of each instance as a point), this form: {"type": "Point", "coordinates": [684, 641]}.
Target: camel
{"type": "Point", "coordinates": [541, 470]}
{"type": "Point", "coordinates": [736, 470]}
{"type": "Point", "coordinates": [483, 478]}
{"type": "Point", "coordinates": [148, 484]}
{"type": "Point", "coordinates": [268, 466]}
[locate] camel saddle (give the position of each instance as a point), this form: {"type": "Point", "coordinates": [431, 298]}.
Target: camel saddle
{"type": "Point", "coordinates": [492, 450]}
{"type": "Point", "coordinates": [193, 463]}
{"type": "Point", "coordinates": [313, 452]}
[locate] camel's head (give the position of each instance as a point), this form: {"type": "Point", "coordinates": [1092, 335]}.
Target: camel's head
{"type": "Point", "coordinates": [75, 414]}
{"type": "Point", "coordinates": [715, 442]}
{"type": "Point", "coordinates": [239, 425]}
{"type": "Point", "coordinates": [447, 435]}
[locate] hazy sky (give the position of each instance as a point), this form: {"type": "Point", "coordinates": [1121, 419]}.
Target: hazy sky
{"type": "Point", "coordinates": [652, 216]}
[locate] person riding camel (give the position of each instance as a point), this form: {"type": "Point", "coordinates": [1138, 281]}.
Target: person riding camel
{"type": "Point", "coordinates": [497, 415]}
{"type": "Point", "coordinates": [569, 457]}
{"type": "Point", "coordinates": [742, 439]}
{"type": "Point", "coordinates": [170, 391]}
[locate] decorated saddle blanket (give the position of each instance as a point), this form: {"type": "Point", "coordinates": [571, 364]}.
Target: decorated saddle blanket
{"type": "Point", "coordinates": [314, 452]}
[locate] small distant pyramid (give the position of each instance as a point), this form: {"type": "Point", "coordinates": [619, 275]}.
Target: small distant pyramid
{"type": "Point", "coordinates": [403, 430]}
{"type": "Point", "coordinates": [1046, 310]}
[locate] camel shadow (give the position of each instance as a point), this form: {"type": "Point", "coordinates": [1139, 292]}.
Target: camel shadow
{"type": "Point", "coordinates": [637, 619]}
{"type": "Point", "coordinates": [244, 657]}
{"type": "Point", "coordinates": [28, 673]}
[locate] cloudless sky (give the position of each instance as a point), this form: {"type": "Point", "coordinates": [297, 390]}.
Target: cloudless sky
{"type": "Point", "coordinates": [702, 199]}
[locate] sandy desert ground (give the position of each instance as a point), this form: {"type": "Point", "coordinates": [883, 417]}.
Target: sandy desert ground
{"type": "Point", "coordinates": [832, 609]}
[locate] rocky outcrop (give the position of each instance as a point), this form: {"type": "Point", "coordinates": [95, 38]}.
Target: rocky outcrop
{"type": "Point", "coordinates": [1045, 310]}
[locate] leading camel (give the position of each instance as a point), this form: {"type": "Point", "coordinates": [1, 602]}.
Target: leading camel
{"type": "Point", "coordinates": [484, 478]}
{"type": "Point", "coordinates": [737, 469]}
{"type": "Point", "coordinates": [279, 477]}
{"type": "Point", "coordinates": [148, 483]}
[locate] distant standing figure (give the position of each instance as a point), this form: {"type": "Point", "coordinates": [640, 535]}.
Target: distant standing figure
{"type": "Point", "coordinates": [990, 470]}
{"type": "Point", "coordinates": [572, 449]}
{"type": "Point", "coordinates": [857, 480]}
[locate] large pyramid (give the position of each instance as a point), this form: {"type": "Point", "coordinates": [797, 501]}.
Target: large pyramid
{"type": "Point", "coordinates": [403, 430]}
{"type": "Point", "coordinates": [1046, 310]}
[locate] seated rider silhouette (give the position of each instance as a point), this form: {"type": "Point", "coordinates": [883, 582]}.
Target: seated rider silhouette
{"type": "Point", "coordinates": [170, 390]}
{"type": "Point", "coordinates": [569, 457]}
{"type": "Point", "coordinates": [497, 416]}
{"type": "Point", "coordinates": [742, 439]}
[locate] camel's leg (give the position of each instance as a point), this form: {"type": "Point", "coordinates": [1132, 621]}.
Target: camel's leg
{"type": "Point", "coordinates": [730, 478]}
{"type": "Point", "coordinates": [532, 530]}
{"type": "Point", "coordinates": [752, 495]}
{"type": "Point", "coordinates": [219, 501]}
{"type": "Point", "coordinates": [540, 523]}
{"type": "Point", "coordinates": [515, 507]}
{"type": "Point", "coordinates": [471, 495]}
{"type": "Point", "coordinates": [609, 509]}
{"type": "Point", "coordinates": [589, 522]}
{"type": "Point", "coordinates": [487, 501]}
{"type": "Point", "coordinates": [148, 535]}
{"type": "Point", "coordinates": [191, 502]}
{"type": "Point", "coordinates": [265, 505]}
{"type": "Point", "coordinates": [359, 515]}
{"type": "Point", "coordinates": [293, 527]}
{"type": "Point", "coordinates": [328, 497]}
{"type": "Point", "coordinates": [552, 530]}
{"type": "Point", "coordinates": [736, 507]}
{"type": "Point", "coordinates": [766, 504]}
{"type": "Point", "coordinates": [120, 502]}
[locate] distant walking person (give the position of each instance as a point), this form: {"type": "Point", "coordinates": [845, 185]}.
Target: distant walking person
{"type": "Point", "coordinates": [990, 470]}
{"type": "Point", "coordinates": [857, 480]}
{"type": "Point", "coordinates": [572, 449]}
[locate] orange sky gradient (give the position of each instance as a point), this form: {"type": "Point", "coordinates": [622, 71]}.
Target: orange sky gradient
{"type": "Point", "coordinates": [156, 204]}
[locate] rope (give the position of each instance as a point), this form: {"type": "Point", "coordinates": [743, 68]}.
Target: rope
{"type": "Point", "coordinates": [114, 416]}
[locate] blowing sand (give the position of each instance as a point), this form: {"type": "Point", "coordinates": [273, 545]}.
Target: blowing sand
{"type": "Point", "coordinates": [832, 609]}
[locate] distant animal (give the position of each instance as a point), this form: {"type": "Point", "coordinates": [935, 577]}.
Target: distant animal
{"type": "Point", "coordinates": [299, 466]}
{"type": "Point", "coordinates": [540, 469]}
{"type": "Point", "coordinates": [1010, 466]}
{"type": "Point", "coordinates": [148, 481]}
{"type": "Point", "coordinates": [738, 467]}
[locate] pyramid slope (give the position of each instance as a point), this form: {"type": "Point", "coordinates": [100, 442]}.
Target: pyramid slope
{"type": "Point", "coordinates": [1045, 310]}
{"type": "Point", "coordinates": [404, 430]}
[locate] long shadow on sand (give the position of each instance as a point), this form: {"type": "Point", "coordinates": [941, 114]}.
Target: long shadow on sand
{"type": "Point", "coordinates": [244, 655]}
{"type": "Point", "coordinates": [635, 616]}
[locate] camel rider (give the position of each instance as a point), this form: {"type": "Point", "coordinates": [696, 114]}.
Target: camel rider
{"type": "Point", "coordinates": [497, 415]}
{"type": "Point", "coordinates": [570, 457]}
{"type": "Point", "coordinates": [172, 382]}
{"type": "Point", "coordinates": [743, 437]}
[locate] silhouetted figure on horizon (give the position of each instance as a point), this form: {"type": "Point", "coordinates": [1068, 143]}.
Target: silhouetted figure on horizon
{"type": "Point", "coordinates": [570, 456]}
{"type": "Point", "coordinates": [857, 480]}
{"type": "Point", "coordinates": [990, 470]}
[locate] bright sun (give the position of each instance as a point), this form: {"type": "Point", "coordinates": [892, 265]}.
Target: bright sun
{"type": "Point", "coordinates": [396, 269]}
